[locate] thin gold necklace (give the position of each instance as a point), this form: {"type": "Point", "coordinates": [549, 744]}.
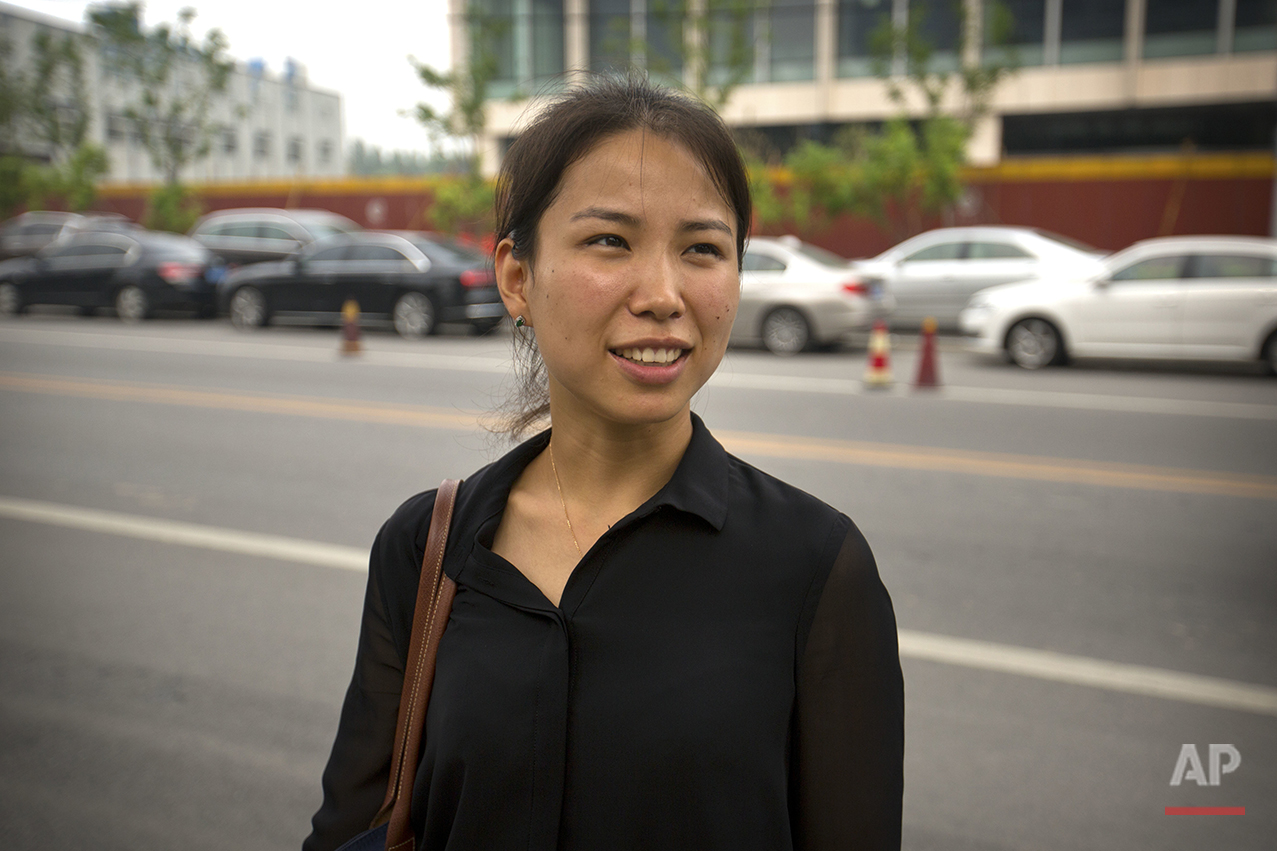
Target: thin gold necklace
{"type": "Point", "coordinates": [563, 501]}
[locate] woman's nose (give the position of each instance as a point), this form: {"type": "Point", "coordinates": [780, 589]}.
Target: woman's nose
{"type": "Point", "coordinates": [658, 290]}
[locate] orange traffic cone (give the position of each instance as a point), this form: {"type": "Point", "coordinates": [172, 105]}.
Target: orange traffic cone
{"type": "Point", "coordinates": [928, 372]}
{"type": "Point", "coordinates": [350, 336]}
{"type": "Point", "coordinates": [878, 370]}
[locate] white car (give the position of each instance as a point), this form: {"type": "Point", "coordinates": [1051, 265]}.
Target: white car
{"type": "Point", "coordinates": [1186, 297]}
{"type": "Point", "coordinates": [794, 295]}
{"type": "Point", "coordinates": [935, 273]}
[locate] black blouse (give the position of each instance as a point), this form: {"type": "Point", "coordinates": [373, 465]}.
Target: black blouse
{"type": "Point", "coordinates": [721, 673]}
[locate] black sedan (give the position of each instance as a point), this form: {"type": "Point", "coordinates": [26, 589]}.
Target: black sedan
{"type": "Point", "coordinates": [413, 280]}
{"type": "Point", "coordinates": [134, 271]}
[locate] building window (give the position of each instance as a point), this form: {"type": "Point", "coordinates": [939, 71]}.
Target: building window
{"type": "Point", "coordinates": [609, 35]}
{"type": "Point", "coordinates": [1092, 31]}
{"type": "Point", "coordinates": [230, 140]}
{"type": "Point", "coordinates": [525, 37]}
{"type": "Point", "coordinates": [117, 127]}
{"type": "Point", "coordinates": [1255, 25]}
{"type": "Point", "coordinates": [261, 144]}
{"type": "Point", "coordinates": [792, 40]}
{"type": "Point", "coordinates": [663, 39]}
{"type": "Point", "coordinates": [325, 152]}
{"type": "Point", "coordinates": [732, 35]}
{"type": "Point", "coordinates": [295, 150]}
{"type": "Point", "coordinates": [937, 23]}
{"type": "Point", "coordinates": [1179, 28]}
{"type": "Point", "coordinates": [858, 20]}
{"type": "Point", "coordinates": [1015, 31]}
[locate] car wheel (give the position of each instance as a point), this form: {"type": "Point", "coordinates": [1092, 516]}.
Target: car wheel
{"type": "Point", "coordinates": [1034, 343]}
{"type": "Point", "coordinates": [1270, 354]}
{"type": "Point", "coordinates": [248, 308]}
{"type": "Point", "coordinates": [414, 315]}
{"type": "Point", "coordinates": [786, 331]}
{"type": "Point", "coordinates": [10, 300]}
{"type": "Point", "coordinates": [131, 304]}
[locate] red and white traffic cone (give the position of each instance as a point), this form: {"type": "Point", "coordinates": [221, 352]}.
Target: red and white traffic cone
{"type": "Point", "coordinates": [351, 343]}
{"type": "Point", "coordinates": [878, 370]}
{"type": "Point", "coordinates": [928, 365]}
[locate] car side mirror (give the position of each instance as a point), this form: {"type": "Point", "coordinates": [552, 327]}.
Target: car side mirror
{"type": "Point", "coordinates": [1102, 282]}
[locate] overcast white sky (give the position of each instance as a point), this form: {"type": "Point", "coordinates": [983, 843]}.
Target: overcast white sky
{"type": "Point", "coordinates": [359, 49]}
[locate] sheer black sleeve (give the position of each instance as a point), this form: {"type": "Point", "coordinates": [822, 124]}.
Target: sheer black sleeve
{"type": "Point", "coordinates": [849, 738]}
{"type": "Point", "coordinates": [358, 769]}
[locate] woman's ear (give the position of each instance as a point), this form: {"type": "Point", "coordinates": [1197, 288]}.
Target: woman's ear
{"type": "Point", "coordinates": [513, 277]}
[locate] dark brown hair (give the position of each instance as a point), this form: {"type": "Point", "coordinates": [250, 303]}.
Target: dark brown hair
{"type": "Point", "coordinates": [582, 117]}
{"type": "Point", "coordinates": [564, 131]}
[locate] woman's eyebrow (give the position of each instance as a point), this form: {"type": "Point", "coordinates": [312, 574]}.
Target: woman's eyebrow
{"type": "Point", "coordinates": [608, 214]}
{"type": "Point", "coordinates": [707, 224]}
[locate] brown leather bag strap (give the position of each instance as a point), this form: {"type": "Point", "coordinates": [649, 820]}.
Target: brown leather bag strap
{"type": "Point", "coordinates": [434, 602]}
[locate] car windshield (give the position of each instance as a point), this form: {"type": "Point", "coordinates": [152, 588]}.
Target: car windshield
{"type": "Point", "coordinates": [449, 253]}
{"type": "Point", "coordinates": [320, 228]}
{"type": "Point", "coordinates": [177, 250]}
{"type": "Point", "coordinates": [821, 256]}
{"type": "Point", "coordinates": [1069, 241]}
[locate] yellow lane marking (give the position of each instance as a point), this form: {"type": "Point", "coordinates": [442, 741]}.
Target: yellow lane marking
{"type": "Point", "coordinates": [1002, 465]}
{"type": "Point", "coordinates": [862, 453]}
{"type": "Point", "coordinates": [302, 406]}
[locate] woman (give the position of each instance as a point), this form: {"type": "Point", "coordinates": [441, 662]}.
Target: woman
{"type": "Point", "coordinates": [653, 644]}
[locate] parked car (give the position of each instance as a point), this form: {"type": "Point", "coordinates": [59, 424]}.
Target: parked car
{"type": "Point", "coordinates": [30, 232]}
{"type": "Point", "coordinates": [135, 271]}
{"type": "Point", "coordinates": [253, 235]}
{"type": "Point", "coordinates": [412, 280]}
{"type": "Point", "coordinates": [1198, 297]}
{"type": "Point", "coordinates": [935, 273]}
{"type": "Point", "coordinates": [794, 295]}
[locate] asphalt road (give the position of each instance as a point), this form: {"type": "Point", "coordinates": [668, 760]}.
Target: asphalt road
{"type": "Point", "coordinates": [1082, 563]}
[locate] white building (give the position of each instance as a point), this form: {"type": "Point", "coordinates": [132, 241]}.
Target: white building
{"type": "Point", "coordinates": [1095, 76]}
{"type": "Point", "coordinates": [270, 125]}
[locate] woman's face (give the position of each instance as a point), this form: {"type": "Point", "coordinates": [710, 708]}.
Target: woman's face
{"type": "Point", "coordinates": [634, 284]}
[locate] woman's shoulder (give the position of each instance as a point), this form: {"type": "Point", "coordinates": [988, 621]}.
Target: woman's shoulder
{"type": "Point", "coordinates": [766, 496]}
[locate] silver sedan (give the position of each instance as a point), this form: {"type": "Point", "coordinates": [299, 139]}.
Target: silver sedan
{"type": "Point", "coordinates": [795, 295]}
{"type": "Point", "coordinates": [935, 273]}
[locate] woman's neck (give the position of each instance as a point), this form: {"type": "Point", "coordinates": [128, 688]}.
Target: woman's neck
{"type": "Point", "coordinates": [607, 470]}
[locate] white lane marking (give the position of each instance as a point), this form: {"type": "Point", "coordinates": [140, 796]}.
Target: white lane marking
{"type": "Point", "coordinates": [1096, 673]}
{"type": "Point", "coordinates": [185, 534]}
{"type": "Point", "coordinates": [1040, 664]}
{"type": "Point", "coordinates": [724, 378]}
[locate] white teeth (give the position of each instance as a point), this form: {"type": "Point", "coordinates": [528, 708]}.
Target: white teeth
{"type": "Point", "coordinates": [650, 355]}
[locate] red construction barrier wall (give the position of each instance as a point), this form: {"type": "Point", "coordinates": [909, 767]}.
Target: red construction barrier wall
{"type": "Point", "coordinates": [1108, 202]}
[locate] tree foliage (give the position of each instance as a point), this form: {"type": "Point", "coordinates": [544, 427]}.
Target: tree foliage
{"type": "Point", "coordinates": [44, 123]}
{"type": "Point", "coordinates": [175, 79]}
{"type": "Point", "coordinates": [467, 85]}
{"type": "Point", "coordinates": [909, 169]}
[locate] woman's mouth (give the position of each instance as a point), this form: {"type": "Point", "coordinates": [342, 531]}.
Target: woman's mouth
{"type": "Point", "coordinates": [650, 356]}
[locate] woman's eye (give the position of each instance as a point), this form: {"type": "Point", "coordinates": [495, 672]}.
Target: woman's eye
{"type": "Point", "coordinates": [609, 240]}
{"type": "Point", "coordinates": [706, 248]}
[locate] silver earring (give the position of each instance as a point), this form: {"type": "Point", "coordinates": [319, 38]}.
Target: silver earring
{"type": "Point", "coordinates": [518, 322]}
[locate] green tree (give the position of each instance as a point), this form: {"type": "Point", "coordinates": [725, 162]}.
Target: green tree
{"type": "Point", "coordinates": [464, 203]}
{"type": "Point", "coordinates": [910, 168]}
{"type": "Point", "coordinates": [44, 110]}
{"type": "Point", "coordinates": [176, 78]}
